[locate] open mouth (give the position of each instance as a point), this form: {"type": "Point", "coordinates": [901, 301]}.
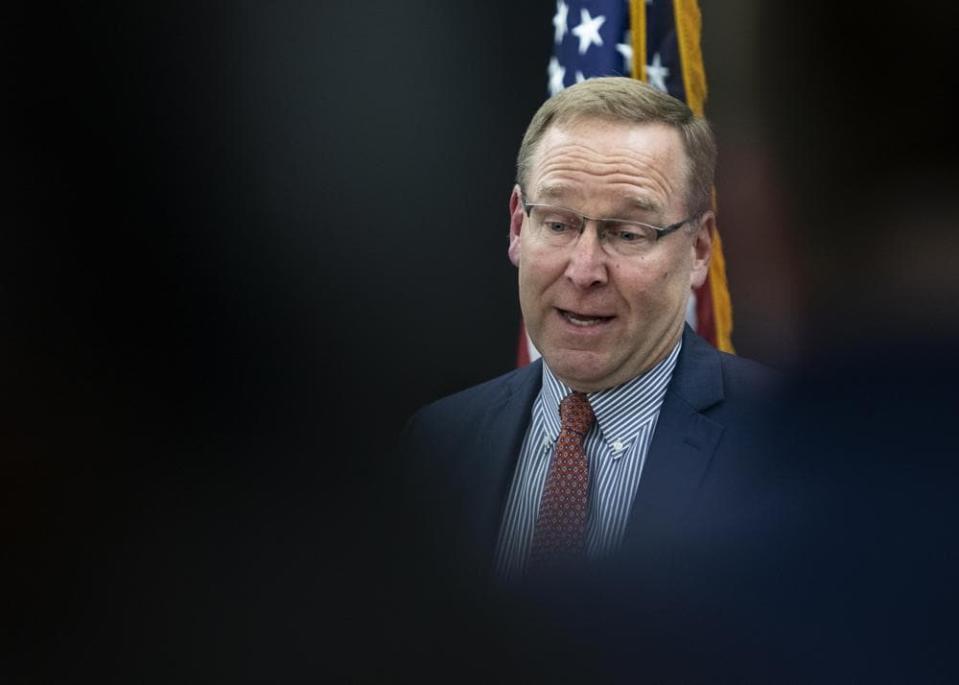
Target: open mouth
{"type": "Point", "coordinates": [583, 320]}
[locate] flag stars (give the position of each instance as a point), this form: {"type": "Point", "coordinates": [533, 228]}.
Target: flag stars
{"type": "Point", "coordinates": [588, 30]}
{"type": "Point", "coordinates": [657, 73]}
{"type": "Point", "coordinates": [556, 75]}
{"type": "Point", "coordinates": [559, 21]}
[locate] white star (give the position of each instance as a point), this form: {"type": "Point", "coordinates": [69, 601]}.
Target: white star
{"type": "Point", "coordinates": [588, 30]}
{"type": "Point", "coordinates": [559, 21]}
{"type": "Point", "coordinates": [556, 75]}
{"type": "Point", "coordinates": [579, 76]}
{"type": "Point", "coordinates": [626, 50]}
{"type": "Point", "coordinates": [657, 73]}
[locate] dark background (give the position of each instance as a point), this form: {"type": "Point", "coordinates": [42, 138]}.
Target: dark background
{"type": "Point", "coordinates": [241, 243]}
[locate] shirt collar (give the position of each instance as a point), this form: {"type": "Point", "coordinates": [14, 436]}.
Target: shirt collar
{"type": "Point", "coordinates": [621, 412]}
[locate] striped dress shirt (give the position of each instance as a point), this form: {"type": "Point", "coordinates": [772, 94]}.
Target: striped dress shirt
{"type": "Point", "coordinates": [616, 447]}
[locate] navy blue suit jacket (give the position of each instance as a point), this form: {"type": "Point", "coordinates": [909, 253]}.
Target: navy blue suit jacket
{"type": "Point", "coordinates": [702, 477]}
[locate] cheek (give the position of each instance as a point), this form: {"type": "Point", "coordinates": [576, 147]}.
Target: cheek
{"type": "Point", "coordinates": [650, 287]}
{"type": "Point", "coordinates": [674, 273]}
{"type": "Point", "coordinates": [532, 280]}
{"type": "Point", "coordinates": [537, 267]}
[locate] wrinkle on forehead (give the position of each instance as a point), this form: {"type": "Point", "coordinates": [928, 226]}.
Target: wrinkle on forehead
{"type": "Point", "coordinates": [576, 163]}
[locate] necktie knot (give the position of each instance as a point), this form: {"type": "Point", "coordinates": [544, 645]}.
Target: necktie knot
{"type": "Point", "coordinates": [575, 413]}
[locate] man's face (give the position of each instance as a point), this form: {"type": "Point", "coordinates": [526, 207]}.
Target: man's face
{"type": "Point", "coordinates": [600, 320]}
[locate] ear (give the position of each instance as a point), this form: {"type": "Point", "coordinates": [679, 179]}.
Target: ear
{"type": "Point", "coordinates": [516, 216]}
{"type": "Point", "coordinates": [702, 248]}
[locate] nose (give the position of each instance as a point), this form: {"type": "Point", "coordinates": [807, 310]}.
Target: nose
{"type": "Point", "coordinates": [587, 261]}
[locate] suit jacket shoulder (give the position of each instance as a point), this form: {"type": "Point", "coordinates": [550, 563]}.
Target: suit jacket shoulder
{"type": "Point", "coordinates": [460, 410]}
{"type": "Point", "coordinates": [458, 455]}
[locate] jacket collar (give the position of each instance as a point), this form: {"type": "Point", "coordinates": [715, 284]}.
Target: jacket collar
{"type": "Point", "coordinates": [698, 378]}
{"type": "Point", "coordinates": [504, 426]}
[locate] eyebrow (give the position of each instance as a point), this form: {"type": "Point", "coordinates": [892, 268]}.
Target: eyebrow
{"type": "Point", "coordinates": [643, 204]}
{"type": "Point", "coordinates": [553, 192]}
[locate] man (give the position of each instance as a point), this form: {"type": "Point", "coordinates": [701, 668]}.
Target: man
{"type": "Point", "coordinates": [621, 495]}
{"type": "Point", "coordinates": [825, 553]}
{"type": "Point", "coordinates": [610, 230]}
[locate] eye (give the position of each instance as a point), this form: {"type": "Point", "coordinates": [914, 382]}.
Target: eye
{"type": "Point", "coordinates": [556, 226]}
{"type": "Point", "coordinates": [629, 234]}
{"type": "Point", "coordinates": [554, 221]}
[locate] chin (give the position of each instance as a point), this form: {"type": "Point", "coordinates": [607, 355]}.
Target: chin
{"type": "Point", "coordinates": [582, 370]}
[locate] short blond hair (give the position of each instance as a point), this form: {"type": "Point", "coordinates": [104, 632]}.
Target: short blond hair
{"type": "Point", "coordinates": [618, 98]}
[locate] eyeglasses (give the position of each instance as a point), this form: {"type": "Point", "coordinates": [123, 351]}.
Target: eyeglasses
{"type": "Point", "coordinates": [559, 227]}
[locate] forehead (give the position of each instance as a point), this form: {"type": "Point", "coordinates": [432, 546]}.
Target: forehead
{"type": "Point", "coordinates": [610, 162]}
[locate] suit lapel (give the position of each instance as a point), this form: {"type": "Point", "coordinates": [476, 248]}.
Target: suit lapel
{"type": "Point", "coordinates": [681, 450]}
{"type": "Point", "coordinates": [503, 429]}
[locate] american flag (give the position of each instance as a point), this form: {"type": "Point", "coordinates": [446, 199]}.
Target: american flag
{"type": "Point", "coordinates": [655, 41]}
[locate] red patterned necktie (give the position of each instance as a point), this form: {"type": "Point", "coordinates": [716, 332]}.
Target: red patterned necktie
{"type": "Point", "coordinates": [560, 531]}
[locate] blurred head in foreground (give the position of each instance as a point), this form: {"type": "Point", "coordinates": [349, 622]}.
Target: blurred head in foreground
{"type": "Point", "coordinates": [855, 103]}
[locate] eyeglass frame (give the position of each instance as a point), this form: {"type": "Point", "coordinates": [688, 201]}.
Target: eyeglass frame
{"type": "Point", "coordinates": [660, 232]}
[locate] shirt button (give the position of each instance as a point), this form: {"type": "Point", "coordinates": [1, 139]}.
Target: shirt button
{"type": "Point", "coordinates": [618, 446]}
{"type": "Point", "coordinates": [546, 443]}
